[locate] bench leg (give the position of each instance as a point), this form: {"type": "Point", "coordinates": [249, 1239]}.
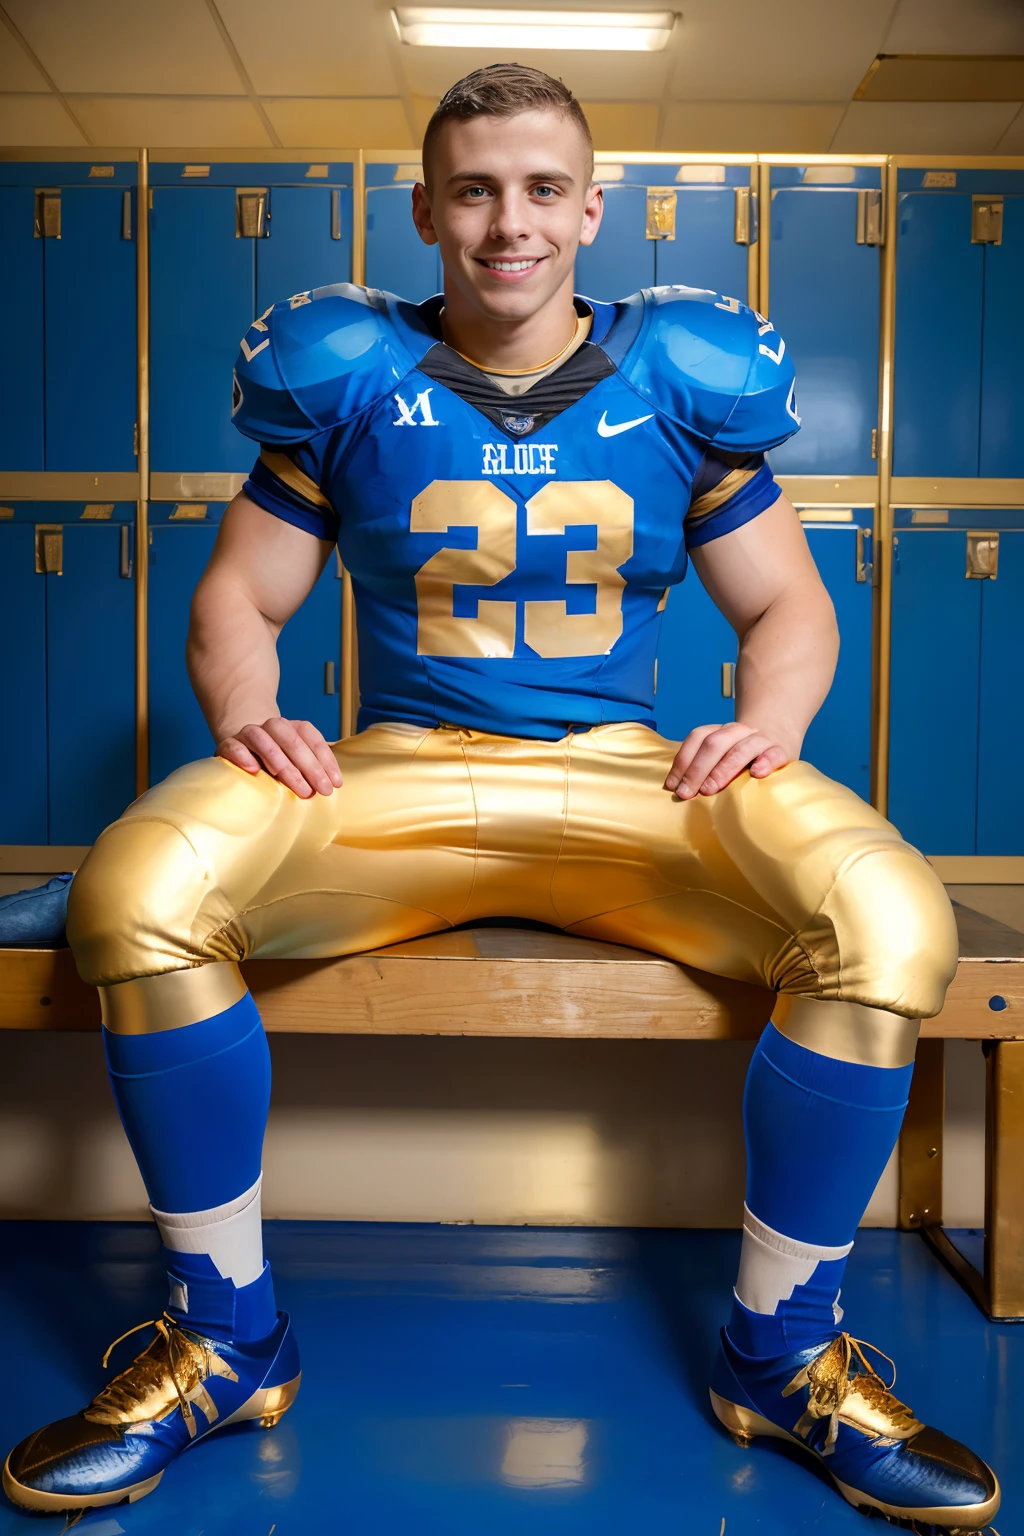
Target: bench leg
{"type": "Point", "coordinates": [920, 1146]}
{"type": "Point", "coordinates": [1004, 1178]}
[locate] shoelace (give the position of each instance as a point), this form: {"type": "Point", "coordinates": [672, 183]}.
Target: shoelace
{"type": "Point", "coordinates": [116, 1392]}
{"type": "Point", "coordinates": [829, 1380]}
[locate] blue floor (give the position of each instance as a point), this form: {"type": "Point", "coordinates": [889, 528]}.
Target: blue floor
{"type": "Point", "coordinates": [491, 1381]}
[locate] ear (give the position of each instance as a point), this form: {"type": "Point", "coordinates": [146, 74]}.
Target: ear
{"type": "Point", "coordinates": [593, 210]}
{"type": "Point", "coordinates": [421, 215]}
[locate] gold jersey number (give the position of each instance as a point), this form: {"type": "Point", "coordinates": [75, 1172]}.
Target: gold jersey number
{"type": "Point", "coordinates": [548, 628]}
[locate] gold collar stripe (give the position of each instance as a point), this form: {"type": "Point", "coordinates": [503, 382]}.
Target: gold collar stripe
{"type": "Point", "coordinates": [289, 472]}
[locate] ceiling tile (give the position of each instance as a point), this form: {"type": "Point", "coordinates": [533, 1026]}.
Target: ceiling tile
{"type": "Point", "coordinates": [31, 120]}
{"type": "Point", "coordinates": [1012, 141]}
{"type": "Point", "coordinates": [622, 125]}
{"type": "Point", "coordinates": [770, 127]}
{"type": "Point", "coordinates": [792, 50]}
{"type": "Point", "coordinates": [923, 127]}
{"type": "Point", "coordinates": [167, 122]}
{"type": "Point", "coordinates": [951, 26]}
{"type": "Point", "coordinates": [128, 45]}
{"type": "Point", "coordinates": [319, 48]}
{"type": "Point", "coordinates": [591, 76]}
{"type": "Point", "coordinates": [373, 124]}
{"type": "Point", "coordinates": [17, 71]}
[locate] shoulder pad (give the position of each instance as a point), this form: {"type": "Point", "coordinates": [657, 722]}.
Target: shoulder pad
{"type": "Point", "coordinates": [317, 359]}
{"type": "Point", "coordinates": [712, 365]}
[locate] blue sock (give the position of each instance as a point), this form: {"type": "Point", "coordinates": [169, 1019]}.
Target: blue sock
{"type": "Point", "coordinates": [193, 1102]}
{"type": "Point", "coordinates": [819, 1133]}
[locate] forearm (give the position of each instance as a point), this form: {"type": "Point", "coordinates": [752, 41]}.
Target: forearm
{"type": "Point", "coordinates": [787, 659]}
{"type": "Point", "coordinates": [232, 656]}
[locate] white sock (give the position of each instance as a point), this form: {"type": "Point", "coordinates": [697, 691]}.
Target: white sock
{"type": "Point", "coordinates": [231, 1234]}
{"type": "Point", "coordinates": [772, 1266]}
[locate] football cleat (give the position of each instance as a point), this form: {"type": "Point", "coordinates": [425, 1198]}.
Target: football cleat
{"type": "Point", "coordinates": [36, 919]}
{"type": "Point", "coordinates": [178, 1390]}
{"type": "Point", "coordinates": [830, 1401]}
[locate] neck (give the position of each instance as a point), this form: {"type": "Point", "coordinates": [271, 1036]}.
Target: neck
{"type": "Point", "coordinates": [510, 344]}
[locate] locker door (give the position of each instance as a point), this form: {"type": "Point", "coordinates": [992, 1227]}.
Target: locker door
{"type": "Point", "coordinates": [21, 378]}
{"type": "Point", "coordinates": [177, 731]}
{"type": "Point", "coordinates": [90, 695]}
{"type": "Point", "coordinates": [937, 390]}
{"type": "Point", "coordinates": [202, 300]}
{"type": "Point", "coordinates": [704, 253]}
{"type": "Point", "coordinates": [310, 640]}
{"type": "Point", "coordinates": [23, 688]}
{"type": "Point", "coordinates": [824, 302]}
{"type": "Point", "coordinates": [1002, 393]}
{"type": "Point", "coordinates": [838, 740]}
{"type": "Point", "coordinates": [1001, 725]}
{"type": "Point", "coordinates": [396, 258]}
{"type": "Point", "coordinates": [90, 334]}
{"type": "Point", "coordinates": [695, 641]}
{"type": "Point", "coordinates": [300, 251]}
{"type": "Point", "coordinates": [621, 259]}
{"type": "Point", "coordinates": [936, 652]}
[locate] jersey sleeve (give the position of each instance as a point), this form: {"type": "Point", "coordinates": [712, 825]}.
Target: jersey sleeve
{"type": "Point", "coordinates": [728, 491]}
{"type": "Point", "coordinates": [286, 483]}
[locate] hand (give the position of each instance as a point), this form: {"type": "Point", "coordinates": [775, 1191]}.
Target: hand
{"type": "Point", "coordinates": [292, 751]}
{"type": "Point", "coordinates": [713, 755]}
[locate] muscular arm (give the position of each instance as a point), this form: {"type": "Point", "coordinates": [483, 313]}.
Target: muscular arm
{"type": "Point", "coordinates": [261, 570]}
{"type": "Point", "coordinates": [763, 579]}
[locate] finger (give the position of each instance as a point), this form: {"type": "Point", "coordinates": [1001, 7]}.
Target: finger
{"type": "Point", "coordinates": [687, 752]}
{"type": "Point", "coordinates": [319, 744]}
{"type": "Point", "coordinates": [770, 760]}
{"type": "Point", "coordinates": [299, 754]}
{"type": "Point", "coordinates": [234, 751]}
{"type": "Point", "coordinates": [712, 750]}
{"type": "Point", "coordinates": [276, 761]}
{"type": "Point", "coordinates": [733, 762]}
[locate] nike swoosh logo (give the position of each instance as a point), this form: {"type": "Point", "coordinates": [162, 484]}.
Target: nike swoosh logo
{"type": "Point", "coordinates": [608, 429]}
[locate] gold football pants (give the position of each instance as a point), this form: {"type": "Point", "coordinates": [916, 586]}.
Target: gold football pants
{"type": "Point", "coordinates": [790, 882]}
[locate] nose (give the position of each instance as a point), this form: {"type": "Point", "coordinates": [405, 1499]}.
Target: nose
{"type": "Point", "coordinates": [511, 219]}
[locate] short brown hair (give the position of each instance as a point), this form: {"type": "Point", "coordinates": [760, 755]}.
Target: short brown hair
{"type": "Point", "coordinates": [504, 90]}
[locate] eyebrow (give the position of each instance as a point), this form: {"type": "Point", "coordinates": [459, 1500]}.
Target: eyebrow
{"type": "Point", "coordinates": [559, 176]}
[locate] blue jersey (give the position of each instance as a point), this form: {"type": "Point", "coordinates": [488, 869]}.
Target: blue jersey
{"type": "Point", "coordinates": [510, 556]}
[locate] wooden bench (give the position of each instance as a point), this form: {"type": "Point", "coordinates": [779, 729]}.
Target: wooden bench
{"type": "Point", "coordinates": [515, 981]}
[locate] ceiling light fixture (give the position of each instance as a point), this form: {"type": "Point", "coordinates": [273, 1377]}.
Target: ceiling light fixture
{"type": "Point", "coordinates": [603, 31]}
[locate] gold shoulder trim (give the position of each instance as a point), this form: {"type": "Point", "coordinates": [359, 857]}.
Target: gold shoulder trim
{"type": "Point", "coordinates": [289, 472]}
{"type": "Point", "coordinates": [720, 493]}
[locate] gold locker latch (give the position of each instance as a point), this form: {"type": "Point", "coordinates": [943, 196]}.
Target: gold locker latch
{"type": "Point", "coordinates": [251, 213]}
{"type": "Point", "coordinates": [47, 225]}
{"type": "Point", "coordinates": [49, 549]}
{"type": "Point", "coordinates": [986, 220]}
{"type": "Point", "coordinates": [982, 556]}
{"type": "Point", "coordinates": [744, 227]}
{"type": "Point", "coordinates": [728, 679]}
{"type": "Point", "coordinates": [870, 225]}
{"type": "Point", "coordinates": [661, 213]}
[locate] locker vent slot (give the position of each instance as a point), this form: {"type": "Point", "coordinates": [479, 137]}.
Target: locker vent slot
{"type": "Point", "coordinates": [870, 228]}
{"type": "Point", "coordinates": [703, 175]}
{"type": "Point", "coordinates": [124, 569]}
{"type": "Point", "coordinates": [49, 549]}
{"type": "Point", "coordinates": [189, 512]}
{"type": "Point", "coordinates": [744, 230]}
{"type": "Point", "coordinates": [100, 170]}
{"type": "Point", "coordinates": [195, 170]}
{"type": "Point", "coordinates": [661, 213]}
{"type": "Point", "coordinates": [98, 512]}
{"type": "Point", "coordinates": [317, 170]}
{"type": "Point", "coordinates": [728, 679]}
{"type": "Point", "coordinates": [608, 171]}
{"type": "Point", "coordinates": [47, 213]}
{"type": "Point", "coordinates": [335, 214]}
{"type": "Point", "coordinates": [251, 213]}
{"type": "Point", "coordinates": [982, 556]}
{"type": "Point", "coordinates": [6, 513]}
{"type": "Point", "coordinates": [939, 179]}
{"type": "Point", "coordinates": [126, 216]}
{"type": "Point", "coordinates": [986, 220]}
{"type": "Point", "coordinates": [408, 173]}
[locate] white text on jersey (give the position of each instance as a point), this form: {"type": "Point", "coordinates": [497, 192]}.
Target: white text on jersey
{"type": "Point", "coordinates": [520, 458]}
{"type": "Point", "coordinates": [407, 413]}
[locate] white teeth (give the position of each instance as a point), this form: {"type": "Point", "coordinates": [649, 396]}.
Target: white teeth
{"type": "Point", "coordinates": [512, 266]}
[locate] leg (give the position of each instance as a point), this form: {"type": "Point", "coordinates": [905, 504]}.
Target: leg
{"type": "Point", "coordinates": [206, 869]}
{"type": "Point", "coordinates": [793, 883]}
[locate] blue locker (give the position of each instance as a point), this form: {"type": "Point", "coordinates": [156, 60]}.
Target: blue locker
{"type": "Point", "coordinates": [1001, 721]}
{"type": "Point", "coordinates": [90, 675]}
{"type": "Point", "coordinates": [704, 253]}
{"type": "Point", "coordinates": [1002, 377]}
{"type": "Point", "coordinates": [90, 333]}
{"type": "Point", "coordinates": [21, 378]}
{"type": "Point", "coordinates": [939, 280]}
{"type": "Point", "coordinates": [695, 641]}
{"type": "Point", "coordinates": [621, 259]}
{"type": "Point", "coordinates": [936, 658]}
{"type": "Point", "coordinates": [300, 251]}
{"type": "Point", "coordinates": [179, 552]}
{"type": "Point", "coordinates": [824, 293]}
{"type": "Point", "coordinates": [202, 300]}
{"type": "Point", "coordinates": [309, 641]}
{"type": "Point", "coordinates": [396, 258]}
{"type": "Point", "coordinates": [23, 807]}
{"type": "Point", "coordinates": [838, 740]}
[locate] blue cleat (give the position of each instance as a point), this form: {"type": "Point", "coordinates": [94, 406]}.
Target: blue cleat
{"type": "Point", "coordinates": [36, 919]}
{"type": "Point", "coordinates": [181, 1388]}
{"type": "Point", "coordinates": [883, 1460]}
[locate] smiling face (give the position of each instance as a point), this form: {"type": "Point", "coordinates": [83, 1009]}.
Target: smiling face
{"type": "Point", "coordinates": [510, 199]}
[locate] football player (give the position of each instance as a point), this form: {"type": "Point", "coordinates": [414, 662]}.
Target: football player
{"type": "Point", "coordinates": [515, 476]}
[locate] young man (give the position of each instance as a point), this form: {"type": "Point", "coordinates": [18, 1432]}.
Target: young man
{"type": "Point", "coordinates": [515, 477]}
